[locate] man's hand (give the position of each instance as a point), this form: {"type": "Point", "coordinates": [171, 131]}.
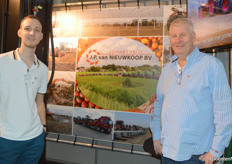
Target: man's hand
{"type": "Point", "coordinates": [208, 158]}
{"type": "Point", "coordinates": [45, 129]}
{"type": "Point", "coordinates": [157, 147]}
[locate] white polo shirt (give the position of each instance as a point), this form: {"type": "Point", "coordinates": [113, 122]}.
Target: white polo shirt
{"type": "Point", "coordinates": [19, 119]}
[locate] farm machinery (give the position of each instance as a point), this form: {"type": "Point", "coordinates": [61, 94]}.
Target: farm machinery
{"type": "Point", "coordinates": [215, 6]}
{"type": "Point", "coordinates": [119, 125]}
{"type": "Point", "coordinates": [103, 124]}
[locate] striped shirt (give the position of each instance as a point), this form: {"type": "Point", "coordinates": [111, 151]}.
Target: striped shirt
{"type": "Point", "coordinates": [193, 110]}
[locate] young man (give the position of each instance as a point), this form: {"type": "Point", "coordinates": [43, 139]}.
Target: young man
{"type": "Point", "coordinates": [192, 118]}
{"type": "Point", "coordinates": [23, 83]}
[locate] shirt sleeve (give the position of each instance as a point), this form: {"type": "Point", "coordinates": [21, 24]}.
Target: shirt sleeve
{"type": "Point", "coordinates": [155, 125]}
{"type": "Point", "coordinates": [222, 109]}
{"type": "Point", "coordinates": [43, 85]}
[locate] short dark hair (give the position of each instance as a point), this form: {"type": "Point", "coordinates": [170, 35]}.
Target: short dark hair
{"type": "Point", "coordinates": [30, 17]}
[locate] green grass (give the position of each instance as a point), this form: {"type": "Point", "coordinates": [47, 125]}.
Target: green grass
{"type": "Point", "coordinates": [108, 92]}
{"type": "Point", "coordinates": [79, 73]}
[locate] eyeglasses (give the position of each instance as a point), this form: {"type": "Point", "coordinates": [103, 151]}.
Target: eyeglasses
{"type": "Point", "coordinates": [179, 77]}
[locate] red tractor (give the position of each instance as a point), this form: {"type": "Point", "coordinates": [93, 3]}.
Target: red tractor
{"type": "Point", "coordinates": [215, 6]}
{"type": "Point", "coordinates": [119, 125]}
{"type": "Point", "coordinates": [104, 124]}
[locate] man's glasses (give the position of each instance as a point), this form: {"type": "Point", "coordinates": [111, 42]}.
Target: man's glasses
{"type": "Point", "coordinates": [179, 77]}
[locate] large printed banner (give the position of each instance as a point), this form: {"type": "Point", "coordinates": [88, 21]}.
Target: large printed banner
{"type": "Point", "coordinates": [108, 63]}
{"type": "Point", "coordinates": [118, 73]}
{"type": "Point", "coordinates": [212, 21]}
{"type": "Point", "coordinates": [143, 21]}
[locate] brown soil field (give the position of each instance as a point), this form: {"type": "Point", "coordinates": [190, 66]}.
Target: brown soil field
{"type": "Point", "coordinates": [58, 126]}
{"type": "Point", "coordinates": [64, 63]}
{"type": "Point", "coordinates": [62, 95]}
{"type": "Point", "coordinates": [122, 31]}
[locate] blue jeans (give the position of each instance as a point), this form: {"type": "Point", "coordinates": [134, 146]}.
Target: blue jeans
{"type": "Point", "coordinates": [193, 160]}
{"type": "Point", "coordinates": [21, 152]}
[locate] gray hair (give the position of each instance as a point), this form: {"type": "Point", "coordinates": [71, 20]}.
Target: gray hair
{"type": "Point", "coordinates": [183, 20]}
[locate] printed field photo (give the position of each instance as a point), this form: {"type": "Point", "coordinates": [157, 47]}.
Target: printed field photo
{"type": "Point", "coordinates": [65, 54]}
{"type": "Point", "coordinates": [120, 77]}
{"type": "Point", "coordinates": [143, 21]}
{"type": "Point", "coordinates": [114, 92]}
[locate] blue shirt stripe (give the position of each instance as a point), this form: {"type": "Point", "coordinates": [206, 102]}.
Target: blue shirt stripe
{"type": "Point", "coordinates": [195, 116]}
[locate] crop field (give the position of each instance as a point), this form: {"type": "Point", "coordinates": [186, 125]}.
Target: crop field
{"type": "Point", "coordinates": [108, 92]}
{"type": "Point", "coordinates": [122, 31]}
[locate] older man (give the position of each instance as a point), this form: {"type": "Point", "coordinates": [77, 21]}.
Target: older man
{"type": "Point", "coordinates": [192, 120]}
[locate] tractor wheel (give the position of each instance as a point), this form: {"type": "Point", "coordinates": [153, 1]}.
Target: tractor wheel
{"type": "Point", "coordinates": [102, 130]}
{"type": "Point", "coordinates": [211, 7]}
{"type": "Point", "coordinates": [226, 6]}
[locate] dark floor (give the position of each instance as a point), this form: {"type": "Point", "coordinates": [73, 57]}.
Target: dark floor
{"type": "Point", "coordinates": [43, 161]}
{"type": "Point", "coordinates": [50, 162]}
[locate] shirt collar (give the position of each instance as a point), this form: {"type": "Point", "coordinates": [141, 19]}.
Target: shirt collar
{"type": "Point", "coordinates": [17, 57]}
{"type": "Point", "coordinates": [193, 54]}
{"type": "Point", "coordinates": [174, 58]}
{"type": "Point", "coordinates": [189, 57]}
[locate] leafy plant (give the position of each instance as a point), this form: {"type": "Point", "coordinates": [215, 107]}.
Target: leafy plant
{"type": "Point", "coordinates": [127, 83]}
